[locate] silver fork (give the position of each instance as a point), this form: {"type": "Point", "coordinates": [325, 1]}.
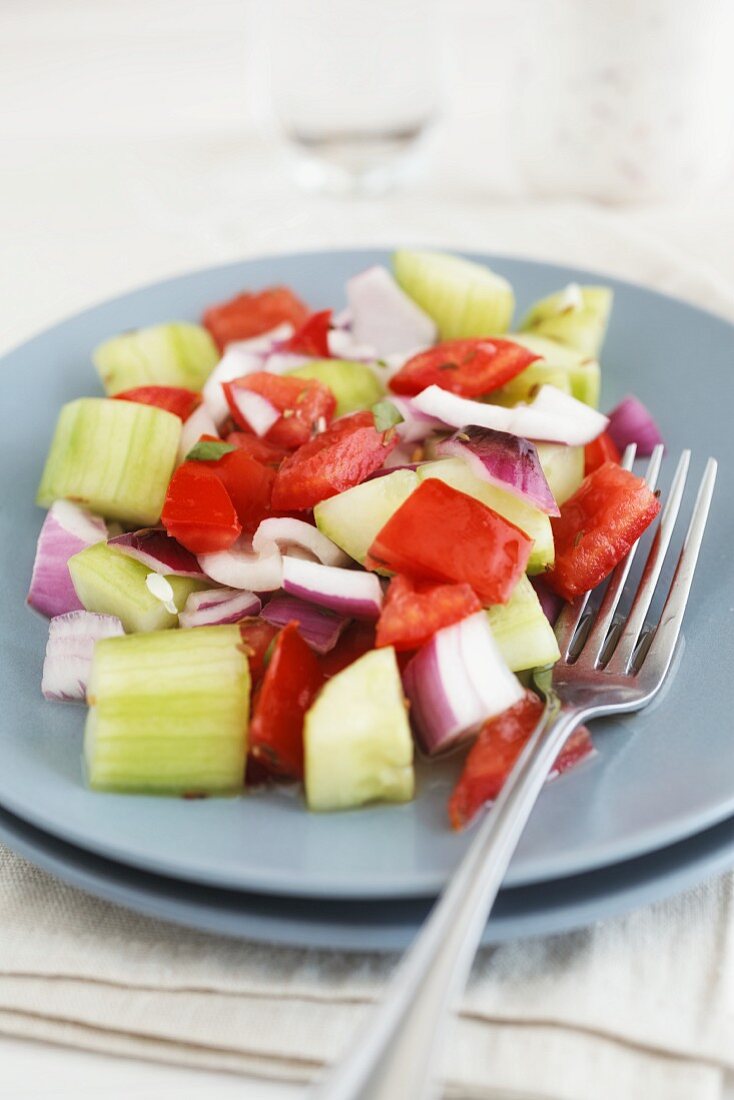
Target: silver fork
{"type": "Point", "coordinates": [603, 670]}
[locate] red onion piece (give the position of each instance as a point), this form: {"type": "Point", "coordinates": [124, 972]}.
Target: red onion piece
{"type": "Point", "coordinates": [259, 413]}
{"type": "Point", "coordinates": [318, 627]}
{"type": "Point", "coordinates": [288, 533]}
{"type": "Point", "coordinates": [351, 592]}
{"type": "Point", "coordinates": [507, 461]}
{"type": "Point", "coordinates": [241, 357]}
{"type": "Point", "coordinates": [384, 316]}
{"type": "Point", "coordinates": [240, 567]}
{"type": "Point", "coordinates": [552, 416]}
{"type": "Point", "coordinates": [456, 682]}
{"type": "Point", "coordinates": [66, 530]}
{"type": "Point", "coordinates": [154, 548]}
{"type": "Point", "coordinates": [631, 422]}
{"type": "Point", "coordinates": [550, 601]}
{"type": "Point", "coordinates": [198, 424]}
{"type": "Point", "coordinates": [218, 606]}
{"type": "Point", "coordinates": [69, 651]}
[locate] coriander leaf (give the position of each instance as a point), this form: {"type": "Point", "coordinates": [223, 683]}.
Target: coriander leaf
{"type": "Point", "coordinates": [209, 450]}
{"type": "Point", "coordinates": [386, 415]}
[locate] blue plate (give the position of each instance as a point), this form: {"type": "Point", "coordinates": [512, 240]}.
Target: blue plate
{"type": "Point", "coordinates": [658, 777]}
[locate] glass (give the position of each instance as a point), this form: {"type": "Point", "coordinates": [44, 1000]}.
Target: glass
{"type": "Point", "coordinates": [355, 87]}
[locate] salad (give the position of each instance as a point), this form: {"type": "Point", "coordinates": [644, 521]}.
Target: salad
{"type": "Point", "coordinates": [296, 546]}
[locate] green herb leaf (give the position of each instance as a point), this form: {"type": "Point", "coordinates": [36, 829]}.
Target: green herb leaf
{"type": "Point", "coordinates": [386, 415]}
{"type": "Point", "coordinates": [209, 450]}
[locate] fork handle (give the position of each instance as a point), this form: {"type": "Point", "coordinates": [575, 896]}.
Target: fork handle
{"type": "Point", "coordinates": [395, 1054]}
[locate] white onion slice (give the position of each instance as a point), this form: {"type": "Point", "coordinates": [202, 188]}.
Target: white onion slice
{"type": "Point", "coordinates": [259, 413]}
{"type": "Point", "coordinates": [69, 651]}
{"type": "Point", "coordinates": [289, 533]}
{"type": "Point", "coordinates": [218, 606]}
{"type": "Point", "coordinates": [198, 424]}
{"type": "Point", "coordinates": [351, 592]}
{"type": "Point", "coordinates": [240, 567]}
{"type": "Point", "coordinates": [66, 530]}
{"type": "Point", "coordinates": [343, 345]}
{"type": "Point", "coordinates": [241, 357]}
{"type": "Point", "coordinates": [415, 425]}
{"type": "Point", "coordinates": [383, 315]}
{"type": "Point", "coordinates": [280, 362]}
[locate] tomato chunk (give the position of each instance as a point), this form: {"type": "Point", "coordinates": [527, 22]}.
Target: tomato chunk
{"type": "Point", "coordinates": [174, 399]}
{"type": "Point", "coordinates": [303, 403]}
{"type": "Point", "coordinates": [288, 688]}
{"type": "Point", "coordinates": [342, 456]}
{"type": "Point", "coordinates": [600, 450]}
{"type": "Point", "coordinates": [414, 610]}
{"type": "Point", "coordinates": [259, 449]}
{"type": "Point", "coordinates": [250, 487]}
{"type": "Point", "coordinates": [198, 511]}
{"type": "Point", "coordinates": [357, 639]}
{"type": "Point", "coordinates": [494, 753]}
{"type": "Point", "coordinates": [467, 367]}
{"type": "Point", "coordinates": [597, 526]}
{"type": "Point", "coordinates": [248, 315]}
{"type": "Point", "coordinates": [441, 534]}
{"type": "Point", "coordinates": [312, 338]}
{"type": "Point", "coordinates": [257, 637]}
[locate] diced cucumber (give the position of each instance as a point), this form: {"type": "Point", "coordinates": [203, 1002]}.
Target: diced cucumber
{"type": "Point", "coordinates": [113, 457]}
{"type": "Point", "coordinates": [583, 373]}
{"type": "Point", "coordinates": [352, 519]}
{"type": "Point", "coordinates": [169, 713]}
{"type": "Point", "coordinates": [114, 584]}
{"type": "Point", "coordinates": [521, 630]}
{"type": "Point", "coordinates": [577, 316]}
{"type": "Point", "coordinates": [455, 472]}
{"type": "Point", "coordinates": [525, 385]}
{"type": "Point", "coordinates": [358, 745]}
{"type": "Point", "coordinates": [176, 354]}
{"type": "Point", "coordinates": [563, 468]}
{"type": "Point", "coordinates": [463, 298]}
{"type": "Point", "coordinates": [354, 385]}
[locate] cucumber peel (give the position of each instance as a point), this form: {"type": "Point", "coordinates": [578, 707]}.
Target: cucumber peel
{"type": "Point", "coordinates": [523, 634]}
{"type": "Point", "coordinates": [354, 385]}
{"type": "Point", "coordinates": [464, 298]}
{"type": "Point", "coordinates": [352, 519]}
{"type": "Point", "coordinates": [174, 354]}
{"type": "Point", "coordinates": [576, 316]}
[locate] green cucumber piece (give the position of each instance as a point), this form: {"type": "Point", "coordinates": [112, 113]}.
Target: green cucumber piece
{"type": "Point", "coordinates": [525, 385]}
{"type": "Point", "coordinates": [576, 316]}
{"type": "Point", "coordinates": [583, 374]}
{"type": "Point", "coordinates": [563, 468]}
{"type": "Point", "coordinates": [455, 472]}
{"type": "Point", "coordinates": [175, 354]}
{"type": "Point", "coordinates": [113, 457]}
{"type": "Point", "coordinates": [463, 298]}
{"type": "Point", "coordinates": [113, 583]}
{"type": "Point", "coordinates": [521, 630]}
{"type": "Point", "coordinates": [354, 385]}
{"type": "Point", "coordinates": [358, 745]}
{"type": "Point", "coordinates": [169, 713]}
{"type": "Point", "coordinates": [352, 519]}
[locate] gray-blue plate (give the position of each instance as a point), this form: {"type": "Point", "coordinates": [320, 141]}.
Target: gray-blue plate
{"type": "Point", "coordinates": [658, 776]}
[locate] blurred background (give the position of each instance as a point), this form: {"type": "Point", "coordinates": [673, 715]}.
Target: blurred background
{"type": "Point", "coordinates": [142, 138]}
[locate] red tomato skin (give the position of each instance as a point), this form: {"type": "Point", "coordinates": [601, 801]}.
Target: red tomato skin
{"type": "Point", "coordinates": [470, 368]}
{"type": "Point", "coordinates": [257, 636]}
{"type": "Point", "coordinates": [443, 535]}
{"type": "Point", "coordinates": [414, 610]}
{"type": "Point", "coordinates": [596, 528]}
{"type": "Point", "coordinates": [291, 681]}
{"type": "Point", "coordinates": [250, 487]}
{"type": "Point", "coordinates": [337, 459]}
{"type": "Point", "coordinates": [247, 314]}
{"type": "Point", "coordinates": [198, 511]}
{"type": "Point", "coordinates": [494, 753]}
{"type": "Point", "coordinates": [174, 399]}
{"type": "Point", "coordinates": [259, 449]}
{"type": "Point", "coordinates": [356, 640]}
{"type": "Point", "coordinates": [600, 450]}
{"type": "Point", "coordinates": [303, 402]}
{"type": "Point", "coordinates": [312, 337]}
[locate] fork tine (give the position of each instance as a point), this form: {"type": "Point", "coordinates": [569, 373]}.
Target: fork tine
{"type": "Point", "coordinates": [629, 636]}
{"type": "Point", "coordinates": [660, 653]}
{"type": "Point", "coordinates": [596, 639]}
{"type": "Point", "coordinates": [571, 613]}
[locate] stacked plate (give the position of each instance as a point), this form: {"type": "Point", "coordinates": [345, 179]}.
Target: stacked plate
{"type": "Point", "coordinates": [651, 813]}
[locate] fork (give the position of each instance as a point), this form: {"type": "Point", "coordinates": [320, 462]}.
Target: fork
{"type": "Point", "coordinates": [605, 668]}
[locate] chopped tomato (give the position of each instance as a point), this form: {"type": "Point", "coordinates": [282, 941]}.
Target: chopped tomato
{"type": "Point", "coordinates": [597, 526]}
{"type": "Point", "coordinates": [357, 639]}
{"type": "Point", "coordinates": [256, 774]}
{"type": "Point", "coordinates": [414, 610]}
{"type": "Point", "coordinates": [470, 368]}
{"type": "Point", "coordinates": [494, 753]}
{"type": "Point", "coordinates": [257, 638]}
{"type": "Point", "coordinates": [259, 449]}
{"type": "Point", "coordinates": [250, 487]}
{"type": "Point", "coordinates": [174, 399]}
{"type": "Point", "coordinates": [441, 534]}
{"type": "Point", "coordinates": [342, 456]}
{"type": "Point", "coordinates": [600, 450]}
{"type": "Point", "coordinates": [198, 511]}
{"type": "Point", "coordinates": [312, 338]}
{"type": "Point", "coordinates": [248, 315]}
{"type": "Point", "coordinates": [288, 688]}
{"type": "Point", "coordinates": [303, 403]}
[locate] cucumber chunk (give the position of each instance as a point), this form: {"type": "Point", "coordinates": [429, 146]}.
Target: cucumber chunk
{"type": "Point", "coordinates": [113, 457]}
{"type": "Point", "coordinates": [176, 354]}
{"type": "Point", "coordinates": [581, 371]}
{"type": "Point", "coordinates": [523, 634]}
{"type": "Point", "coordinates": [358, 745]}
{"type": "Point", "coordinates": [169, 713]}
{"type": "Point", "coordinates": [563, 468]}
{"type": "Point", "coordinates": [455, 472]}
{"type": "Point", "coordinates": [576, 316]}
{"type": "Point", "coordinates": [352, 519]}
{"type": "Point", "coordinates": [112, 583]}
{"type": "Point", "coordinates": [354, 385]}
{"type": "Point", "coordinates": [463, 298]}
